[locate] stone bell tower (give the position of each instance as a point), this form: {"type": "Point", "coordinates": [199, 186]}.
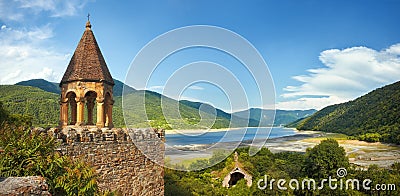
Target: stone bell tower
{"type": "Point", "coordinates": [86, 83]}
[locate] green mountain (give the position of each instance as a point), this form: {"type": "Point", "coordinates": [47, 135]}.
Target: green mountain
{"type": "Point", "coordinates": [295, 123]}
{"type": "Point", "coordinates": [282, 117]}
{"type": "Point", "coordinates": [54, 88]}
{"type": "Point", "coordinates": [372, 117]}
{"type": "Point", "coordinates": [119, 86]}
{"type": "Point", "coordinates": [237, 120]}
{"type": "Point", "coordinates": [42, 84]}
{"type": "Point", "coordinates": [190, 111]}
{"type": "Point", "coordinates": [166, 115]}
{"type": "Point", "coordinates": [43, 107]}
{"type": "Point", "coordinates": [42, 104]}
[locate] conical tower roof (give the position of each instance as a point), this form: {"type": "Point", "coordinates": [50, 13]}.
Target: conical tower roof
{"type": "Point", "coordinates": [87, 63]}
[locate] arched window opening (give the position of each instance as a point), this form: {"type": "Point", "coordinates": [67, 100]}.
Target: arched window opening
{"type": "Point", "coordinates": [71, 116]}
{"type": "Point", "coordinates": [90, 98]}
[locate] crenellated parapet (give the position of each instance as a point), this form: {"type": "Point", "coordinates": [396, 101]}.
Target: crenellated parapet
{"type": "Point", "coordinates": [74, 134]}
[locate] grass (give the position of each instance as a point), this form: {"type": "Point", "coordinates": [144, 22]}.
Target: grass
{"type": "Point", "coordinates": [185, 162]}
{"type": "Point", "coordinates": [337, 136]}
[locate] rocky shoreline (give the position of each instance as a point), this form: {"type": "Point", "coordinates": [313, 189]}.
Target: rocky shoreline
{"type": "Point", "coordinates": [360, 153]}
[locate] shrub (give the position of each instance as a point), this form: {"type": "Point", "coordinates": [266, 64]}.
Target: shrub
{"type": "Point", "coordinates": [24, 152]}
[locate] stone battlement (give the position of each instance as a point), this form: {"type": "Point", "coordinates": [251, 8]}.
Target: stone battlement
{"type": "Point", "coordinates": [74, 134]}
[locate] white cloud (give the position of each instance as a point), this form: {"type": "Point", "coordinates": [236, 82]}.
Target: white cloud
{"type": "Point", "coordinates": [25, 52]}
{"type": "Point", "coordinates": [348, 74]}
{"type": "Point", "coordinates": [155, 88]}
{"type": "Point", "coordinates": [8, 11]}
{"type": "Point", "coordinates": [24, 55]}
{"type": "Point", "coordinates": [191, 99]}
{"type": "Point", "coordinates": [309, 103]}
{"type": "Point", "coordinates": [18, 10]}
{"type": "Point", "coordinates": [193, 87]}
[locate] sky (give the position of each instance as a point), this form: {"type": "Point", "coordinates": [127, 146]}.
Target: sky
{"type": "Point", "coordinates": [318, 52]}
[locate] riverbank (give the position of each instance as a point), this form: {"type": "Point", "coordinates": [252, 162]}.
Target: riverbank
{"type": "Point", "coordinates": [363, 153]}
{"type": "Point", "coordinates": [198, 131]}
{"type": "Point", "coordinates": [359, 153]}
{"type": "Point", "coordinates": [201, 131]}
{"type": "Point", "coordinates": [181, 153]}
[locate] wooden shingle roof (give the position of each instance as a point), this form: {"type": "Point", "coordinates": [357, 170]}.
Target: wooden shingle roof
{"type": "Point", "coordinates": [87, 63]}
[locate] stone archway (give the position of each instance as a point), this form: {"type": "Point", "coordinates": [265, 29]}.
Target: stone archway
{"type": "Point", "coordinates": [237, 174]}
{"type": "Point", "coordinates": [235, 177]}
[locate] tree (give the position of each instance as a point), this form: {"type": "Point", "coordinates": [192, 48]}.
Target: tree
{"type": "Point", "coordinates": [325, 159]}
{"type": "Point", "coordinates": [3, 113]}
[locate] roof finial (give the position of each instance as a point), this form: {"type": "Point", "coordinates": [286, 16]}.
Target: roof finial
{"type": "Point", "coordinates": [88, 25]}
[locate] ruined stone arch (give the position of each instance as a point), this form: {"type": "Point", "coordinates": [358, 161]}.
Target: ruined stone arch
{"type": "Point", "coordinates": [235, 177]}
{"type": "Point", "coordinates": [237, 174]}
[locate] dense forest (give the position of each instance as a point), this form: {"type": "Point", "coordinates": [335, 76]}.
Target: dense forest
{"type": "Point", "coordinates": [373, 117]}
{"type": "Point", "coordinates": [317, 163]}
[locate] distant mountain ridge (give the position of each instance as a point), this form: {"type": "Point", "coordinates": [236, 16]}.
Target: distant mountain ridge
{"type": "Point", "coordinates": [46, 101]}
{"type": "Point", "coordinates": [42, 84]}
{"type": "Point", "coordinates": [54, 87]}
{"type": "Point", "coordinates": [220, 113]}
{"type": "Point", "coordinates": [371, 117]}
{"type": "Point", "coordinates": [38, 97]}
{"type": "Point", "coordinates": [282, 117]}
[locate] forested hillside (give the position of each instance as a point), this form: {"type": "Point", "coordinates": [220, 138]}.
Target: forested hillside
{"type": "Point", "coordinates": [372, 117]}
{"type": "Point", "coordinates": [42, 84]}
{"type": "Point", "coordinates": [54, 88]}
{"type": "Point", "coordinates": [43, 107]}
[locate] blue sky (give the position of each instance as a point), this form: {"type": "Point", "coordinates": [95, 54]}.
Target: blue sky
{"type": "Point", "coordinates": [318, 52]}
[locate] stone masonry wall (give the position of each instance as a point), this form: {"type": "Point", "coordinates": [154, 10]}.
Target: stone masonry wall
{"type": "Point", "coordinates": [117, 159]}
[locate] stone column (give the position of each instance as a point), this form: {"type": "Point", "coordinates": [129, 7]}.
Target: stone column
{"type": "Point", "coordinates": [109, 121]}
{"type": "Point", "coordinates": [80, 102]}
{"type": "Point", "coordinates": [72, 102]}
{"type": "Point", "coordinates": [90, 106]}
{"type": "Point", "coordinates": [100, 112]}
{"type": "Point", "coordinates": [63, 113]}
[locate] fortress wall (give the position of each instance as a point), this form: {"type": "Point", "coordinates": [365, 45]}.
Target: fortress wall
{"type": "Point", "coordinates": [118, 161]}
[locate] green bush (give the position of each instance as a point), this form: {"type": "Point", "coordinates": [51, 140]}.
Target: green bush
{"type": "Point", "coordinates": [24, 152]}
